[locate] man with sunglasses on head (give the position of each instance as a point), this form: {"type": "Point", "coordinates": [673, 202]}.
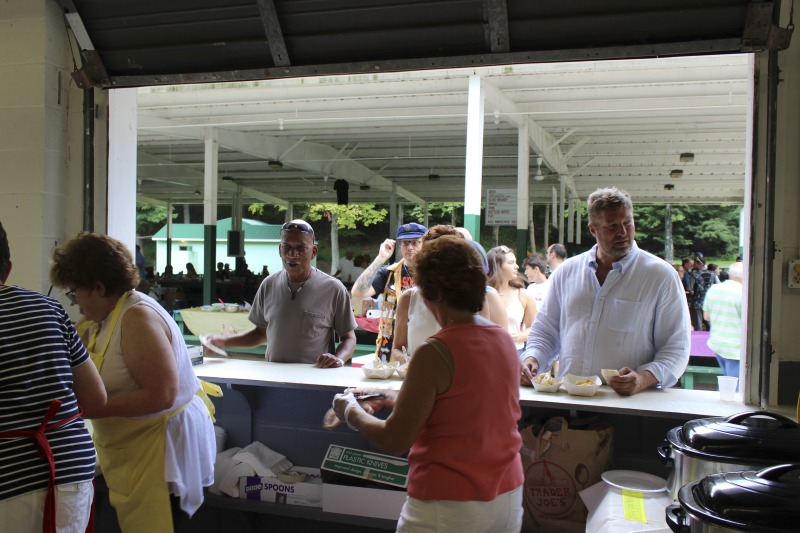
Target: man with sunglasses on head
{"type": "Point", "coordinates": [296, 311]}
{"type": "Point", "coordinates": [390, 281]}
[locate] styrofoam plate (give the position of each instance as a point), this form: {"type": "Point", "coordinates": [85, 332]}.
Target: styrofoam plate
{"type": "Point", "coordinates": [216, 349]}
{"type": "Point", "coordinates": [632, 480]}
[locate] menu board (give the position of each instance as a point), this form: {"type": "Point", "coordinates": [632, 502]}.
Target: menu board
{"type": "Point", "coordinates": [501, 207]}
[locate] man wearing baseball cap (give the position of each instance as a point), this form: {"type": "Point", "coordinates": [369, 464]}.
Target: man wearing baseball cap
{"type": "Point", "coordinates": [390, 281]}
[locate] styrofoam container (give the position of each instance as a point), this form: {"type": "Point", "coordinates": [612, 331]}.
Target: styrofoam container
{"type": "Point", "coordinates": [381, 372]}
{"type": "Point", "coordinates": [570, 381]}
{"type": "Point", "coordinates": [401, 370]}
{"type": "Point", "coordinates": [608, 373]}
{"type": "Point", "coordinates": [547, 388]}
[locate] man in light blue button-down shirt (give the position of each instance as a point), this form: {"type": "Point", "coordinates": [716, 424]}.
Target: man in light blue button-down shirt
{"type": "Point", "coordinates": [613, 307]}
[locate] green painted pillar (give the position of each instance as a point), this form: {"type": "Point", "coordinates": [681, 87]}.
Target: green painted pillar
{"type": "Point", "coordinates": [209, 264]}
{"type": "Point", "coordinates": [522, 246]}
{"type": "Point", "coordinates": [473, 225]}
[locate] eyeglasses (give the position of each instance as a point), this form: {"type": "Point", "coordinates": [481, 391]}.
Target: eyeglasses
{"type": "Point", "coordinates": [294, 250]}
{"type": "Point", "coordinates": [71, 296]}
{"type": "Point", "coordinates": [299, 226]}
{"type": "Point", "coordinates": [410, 243]}
{"type": "Point", "coordinates": [505, 249]}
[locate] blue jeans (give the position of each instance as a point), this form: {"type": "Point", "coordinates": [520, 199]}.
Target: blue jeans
{"type": "Point", "coordinates": [730, 367]}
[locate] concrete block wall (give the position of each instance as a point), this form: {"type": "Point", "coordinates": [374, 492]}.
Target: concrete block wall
{"type": "Point", "coordinates": [39, 104]}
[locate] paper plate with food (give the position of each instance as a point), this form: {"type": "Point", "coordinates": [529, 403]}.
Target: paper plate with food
{"type": "Point", "coordinates": [379, 370]}
{"type": "Point", "coordinates": [545, 382]}
{"type": "Point", "coordinates": [608, 373]}
{"type": "Point", "coordinates": [581, 385]}
{"type": "Point", "coordinates": [401, 370]}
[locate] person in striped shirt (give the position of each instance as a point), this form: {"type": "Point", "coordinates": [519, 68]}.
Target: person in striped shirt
{"type": "Point", "coordinates": [45, 377]}
{"type": "Point", "coordinates": [723, 309]}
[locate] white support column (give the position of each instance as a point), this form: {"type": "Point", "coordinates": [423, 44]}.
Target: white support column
{"type": "Point", "coordinates": [571, 220]}
{"type": "Point", "coordinates": [523, 185]}
{"type": "Point", "coordinates": [562, 181]}
{"type": "Point", "coordinates": [210, 169]}
{"type": "Point", "coordinates": [121, 213]}
{"type": "Point", "coordinates": [168, 247]}
{"type": "Point", "coordinates": [578, 224]}
{"type": "Point", "coordinates": [210, 185]}
{"type": "Point", "coordinates": [393, 222]}
{"type": "Point", "coordinates": [554, 211]}
{"type": "Point", "coordinates": [547, 209]}
{"type": "Point", "coordinates": [473, 187]}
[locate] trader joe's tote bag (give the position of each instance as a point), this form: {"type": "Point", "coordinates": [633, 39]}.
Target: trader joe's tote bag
{"type": "Point", "coordinates": [560, 459]}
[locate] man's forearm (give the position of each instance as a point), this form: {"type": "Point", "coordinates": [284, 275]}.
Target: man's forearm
{"type": "Point", "coordinates": [363, 284]}
{"type": "Point", "coordinates": [249, 339]}
{"type": "Point", "coordinates": [346, 347]}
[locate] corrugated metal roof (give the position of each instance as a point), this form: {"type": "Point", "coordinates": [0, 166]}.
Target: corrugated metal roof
{"type": "Point", "coordinates": [153, 42]}
{"type": "Point", "coordinates": [254, 230]}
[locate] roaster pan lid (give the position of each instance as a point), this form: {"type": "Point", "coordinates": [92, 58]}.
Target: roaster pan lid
{"type": "Point", "coordinates": [749, 435]}
{"type": "Point", "coordinates": [765, 500]}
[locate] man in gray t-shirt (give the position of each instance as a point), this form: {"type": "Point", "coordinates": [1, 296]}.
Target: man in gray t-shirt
{"type": "Point", "coordinates": [297, 310]}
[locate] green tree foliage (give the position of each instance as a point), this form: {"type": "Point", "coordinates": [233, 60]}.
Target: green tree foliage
{"type": "Point", "coordinates": [440, 211]}
{"type": "Point", "coordinates": [149, 218]}
{"type": "Point", "coordinates": [348, 215]}
{"type": "Point", "coordinates": [256, 209]}
{"type": "Point", "coordinates": [711, 229]}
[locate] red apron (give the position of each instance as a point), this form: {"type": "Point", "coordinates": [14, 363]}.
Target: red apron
{"type": "Point", "coordinates": [46, 453]}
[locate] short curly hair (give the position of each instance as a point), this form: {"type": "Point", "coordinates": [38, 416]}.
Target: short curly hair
{"type": "Point", "coordinates": [449, 269]}
{"type": "Point", "coordinates": [440, 230]}
{"type": "Point", "coordinates": [92, 257]}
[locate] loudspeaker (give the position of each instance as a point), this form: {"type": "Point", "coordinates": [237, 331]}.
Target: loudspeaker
{"type": "Point", "coordinates": [235, 243]}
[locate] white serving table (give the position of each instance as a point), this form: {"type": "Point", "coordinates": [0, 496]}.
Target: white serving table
{"type": "Point", "coordinates": [670, 403]}
{"type": "Point", "coordinates": [282, 405]}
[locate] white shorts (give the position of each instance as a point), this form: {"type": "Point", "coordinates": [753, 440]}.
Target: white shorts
{"type": "Point", "coordinates": [501, 515]}
{"type": "Point", "coordinates": [25, 513]}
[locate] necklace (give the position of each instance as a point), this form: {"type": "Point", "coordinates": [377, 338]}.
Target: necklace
{"type": "Point", "coordinates": [295, 293]}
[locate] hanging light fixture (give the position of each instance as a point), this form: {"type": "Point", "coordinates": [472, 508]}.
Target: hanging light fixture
{"type": "Point", "coordinates": [686, 157]}
{"type": "Point", "coordinates": [274, 164]}
{"type": "Point", "coordinates": [538, 176]}
{"type": "Point", "coordinates": [676, 173]}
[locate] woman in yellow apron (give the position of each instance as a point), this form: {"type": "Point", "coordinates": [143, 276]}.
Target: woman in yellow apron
{"type": "Point", "coordinates": [155, 437]}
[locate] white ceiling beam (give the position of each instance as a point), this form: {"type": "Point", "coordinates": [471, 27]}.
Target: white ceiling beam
{"type": "Point", "coordinates": [542, 143]}
{"type": "Point", "coordinates": [157, 167]}
{"type": "Point", "coordinates": [143, 199]}
{"type": "Point", "coordinates": [311, 157]}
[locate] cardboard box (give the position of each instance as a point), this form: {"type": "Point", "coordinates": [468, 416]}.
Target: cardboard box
{"type": "Point", "coordinates": [362, 501]}
{"type": "Point", "coordinates": [363, 483]}
{"type": "Point", "coordinates": [272, 489]}
{"type": "Point", "coordinates": [195, 354]}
